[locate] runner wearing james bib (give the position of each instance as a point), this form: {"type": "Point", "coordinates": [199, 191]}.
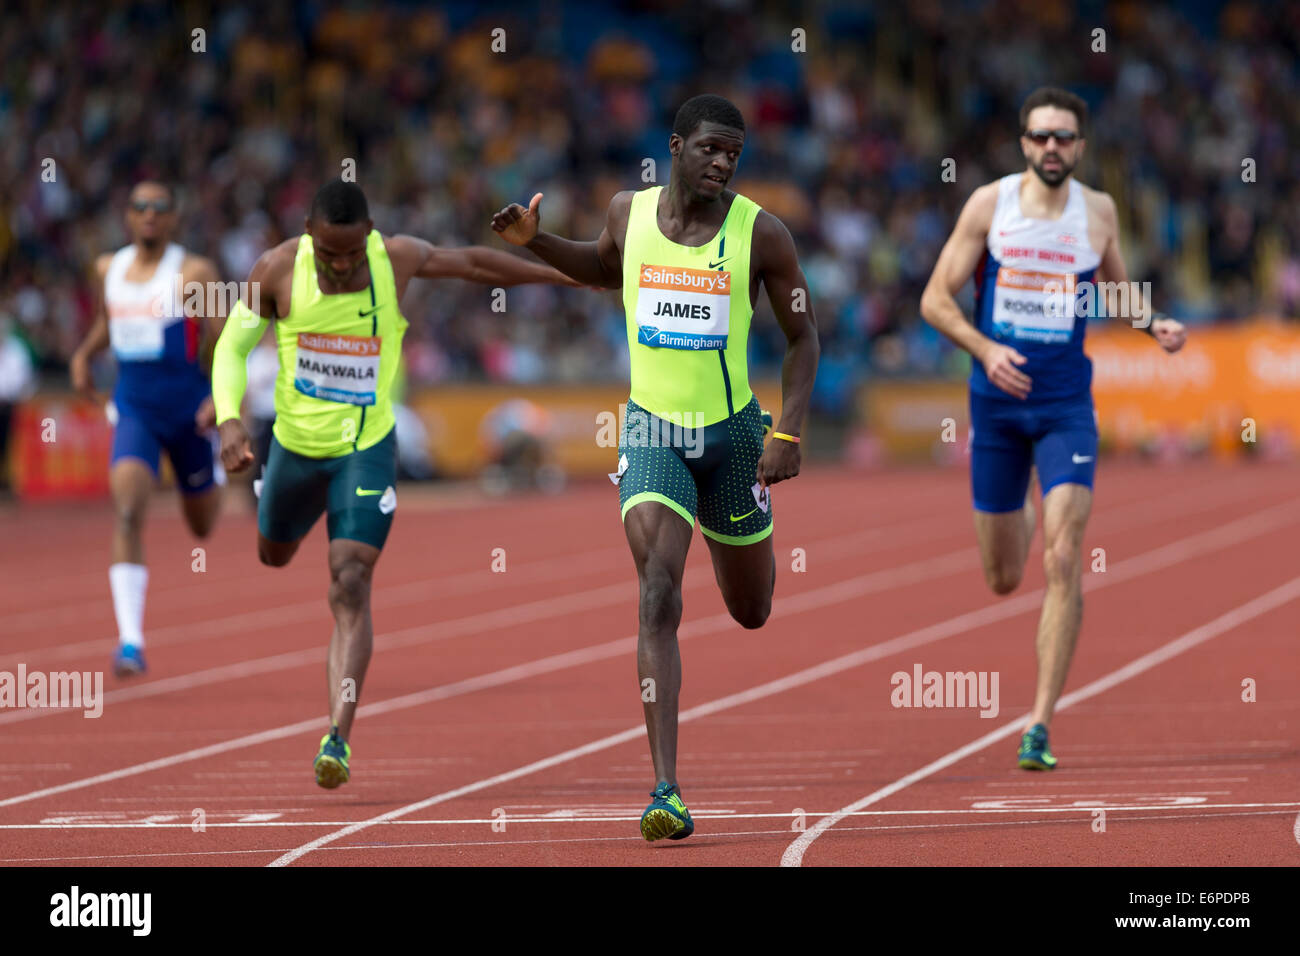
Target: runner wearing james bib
{"type": "Point", "coordinates": [334, 295]}
{"type": "Point", "coordinates": [688, 313]}
{"type": "Point", "coordinates": [1027, 296]}
{"type": "Point", "coordinates": [690, 259]}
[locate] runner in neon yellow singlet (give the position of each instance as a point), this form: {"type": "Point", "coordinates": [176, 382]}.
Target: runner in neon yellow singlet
{"type": "Point", "coordinates": [690, 258]}
{"type": "Point", "coordinates": [334, 294]}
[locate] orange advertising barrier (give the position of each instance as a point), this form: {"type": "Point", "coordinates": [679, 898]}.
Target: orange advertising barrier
{"type": "Point", "coordinates": [60, 447]}
{"type": "Point", "coordinates": [579, 424]}
{"type": "Point", "coordinates": [1232, 389]}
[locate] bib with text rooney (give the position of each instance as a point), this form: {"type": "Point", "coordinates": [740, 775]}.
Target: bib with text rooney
{"type": "Point", "coordinates": [338, 368]}
{"type": "Point", "coordinates": [1034, 306]}
{"type": "Point", "coordinates": [679, 308]}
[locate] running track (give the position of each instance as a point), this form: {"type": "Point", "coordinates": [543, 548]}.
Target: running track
{"type": "Point", "coordinates": [501, 718]}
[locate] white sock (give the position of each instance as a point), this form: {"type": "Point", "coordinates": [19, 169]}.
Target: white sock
{"type": "Point", "coordinates": [129, 582]}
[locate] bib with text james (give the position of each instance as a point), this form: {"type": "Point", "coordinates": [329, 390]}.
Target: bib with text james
{"type": "Point", "coordinates": [680, 308]}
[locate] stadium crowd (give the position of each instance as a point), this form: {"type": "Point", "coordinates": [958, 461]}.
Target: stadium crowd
{"type": "Point", "coordinates": [247, 108]}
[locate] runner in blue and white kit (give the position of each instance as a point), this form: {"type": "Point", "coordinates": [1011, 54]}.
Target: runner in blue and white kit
{"type": "Point", "coordinates": [1044, 252]}
{"type": "Point", "coordinates": [162, 401]}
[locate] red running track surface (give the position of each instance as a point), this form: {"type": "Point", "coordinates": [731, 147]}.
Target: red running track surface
{"type": "Point", "coordinates": [501, 717]}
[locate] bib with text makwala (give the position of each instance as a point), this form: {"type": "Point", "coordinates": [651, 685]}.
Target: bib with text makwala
{"type": "Point", "coordinates": [680, 308]}
{"type": "Point", "coordinates": [1034, 306]}
{"type": "Point", "coordinates": [338, 368]}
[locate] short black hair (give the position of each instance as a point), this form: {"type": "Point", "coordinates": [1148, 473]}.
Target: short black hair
{"type": "Point", "coordinates": [339, 203]}
{"type": "Point", "coordinates": [706, 108]}
{"type": "Point", "coordinates": [1055, 96]}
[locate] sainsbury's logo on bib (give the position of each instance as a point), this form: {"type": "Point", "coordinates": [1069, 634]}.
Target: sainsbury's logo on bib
{"type": "Point", "coordinates": [681, 308]}
{"type": "Point", "coordinates": [338, 368]}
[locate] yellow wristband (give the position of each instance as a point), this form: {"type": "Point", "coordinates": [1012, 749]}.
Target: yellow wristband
{"type": "Point", "coordinates": [793, 438]}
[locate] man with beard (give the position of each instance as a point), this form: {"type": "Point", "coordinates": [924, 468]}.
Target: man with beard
{"type": "Point", "coordinates": [162, 338]}
{"type": "Point", "coordinates": [1034, 241]}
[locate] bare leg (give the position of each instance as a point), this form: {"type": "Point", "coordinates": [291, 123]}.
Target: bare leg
{"type": "Point", "coordinates": [746, 574]}
{"type": "Point", "coordinates": [1004, 540]}
{"type": "Point", "coordinates": [659, 539]}
{"type": "Point", "coordinates": [200, 511]}
{"type": "Point", "coordinates": [352, 565]}
{"type": "Point", "coordinates": [131, 483]}
{"type": "Point", "coordinates": [1065, 515]}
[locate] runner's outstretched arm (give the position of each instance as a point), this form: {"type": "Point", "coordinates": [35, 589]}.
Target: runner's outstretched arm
{"type": "Point", "coordinates": [598, 264]}
{"type": "Point", "coordinates": [1169, 333]}
{"type": "Point", "coordinates": [787, 290]}
{"type": "Point", "coordinates": [473, 263]}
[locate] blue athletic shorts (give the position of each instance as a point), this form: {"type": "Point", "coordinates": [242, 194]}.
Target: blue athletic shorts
{"type": "Point", "coordinates": [143, 436]}
{"type": "Point", "coordinates": [1009, 437]}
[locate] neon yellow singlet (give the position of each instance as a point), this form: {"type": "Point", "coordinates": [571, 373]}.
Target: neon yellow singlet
{"type": "Point", "coordinates": [688, 314]}
{"type": "Point", "coordinates": [338, 356]}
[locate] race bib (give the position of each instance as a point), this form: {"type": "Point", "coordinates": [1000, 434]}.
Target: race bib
{"type": "Point", "coordinates": [1034, 306]}
{"type": "Point", "coordinates": [136, 338]}
{"type": "Point", "coordinates": [338, 368]}
{"type": "Point", "coordinates": [678, 308]}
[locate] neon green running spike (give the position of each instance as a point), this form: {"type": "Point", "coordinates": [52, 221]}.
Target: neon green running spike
{"type": "Point", "coordinates": [332, 762]}
{"type": "Point", "coordinates": [1035, 754]}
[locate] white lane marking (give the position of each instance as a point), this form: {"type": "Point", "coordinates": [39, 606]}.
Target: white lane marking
{"type": "Point", "coordinates": [867, 583]}
{"type": "Point", "coordinates": [1231, 533]}
{"type": "Point", "coordinates": [726, 834]}
{"type": "Point", "coordinates": [163, 821]}
{"type": "Point", "coordinates": [413, 592]}
{"type": "Point", "coordinates": [1278, 597]}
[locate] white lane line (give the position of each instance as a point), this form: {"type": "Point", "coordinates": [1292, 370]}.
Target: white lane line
{"type": "Point", "coordinates": [1269, 520]}
{"type": "Point", "coordinates": [864, 584]}
{"type": "Point", "coordinates": [915, 530]}
{"type": "Point", "coordinates": [721, 835]}
{"type": "Point", "coordinates": [628, 816]}
{"type": "Point", "coordinates": [512, 616]}
{"type": "Point", "coordinates": [1252, 609]}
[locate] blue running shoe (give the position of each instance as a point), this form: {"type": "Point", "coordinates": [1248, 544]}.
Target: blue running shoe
{"type": "Point", "coordinates": [1034, 751]}
{"type": "Point", "coordinates": [666, 816]}
{"type": "Point", "coordinates": [128, 661]}
{"type": "Point", "coordinates": [332, 762]}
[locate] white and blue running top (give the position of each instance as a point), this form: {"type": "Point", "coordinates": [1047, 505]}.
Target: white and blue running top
{"type": "Point", "coordinates": [1028, 295]}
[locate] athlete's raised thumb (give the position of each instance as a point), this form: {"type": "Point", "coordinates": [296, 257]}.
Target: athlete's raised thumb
{"type": "Point", "coordinates": [534, 203]}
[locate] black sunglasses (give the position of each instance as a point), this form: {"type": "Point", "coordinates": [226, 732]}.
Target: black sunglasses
{"type": "Point", "coordinates": [1041, 136]}
{"type": "Point", "coordinates": [159, 206]}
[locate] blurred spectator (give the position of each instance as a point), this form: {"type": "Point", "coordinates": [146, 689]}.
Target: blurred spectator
{"type": "Point", "coordinates": [1194, 132]}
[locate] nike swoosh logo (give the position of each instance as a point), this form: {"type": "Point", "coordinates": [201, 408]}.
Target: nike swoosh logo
{"type": "Point", "coordinates": [369, 312]}
{"type": "Point", "coordinates": [361, 491]}
{"type": "Point", "coordinates": [1080, 459]}
{"type": "Point", "coordinates": [744, 516]}
{"type": "Point", "coordinates": [714, 265]}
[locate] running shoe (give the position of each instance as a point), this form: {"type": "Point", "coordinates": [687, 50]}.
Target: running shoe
{"type": "Point", "coordinates": [1034, 751]}
{"type": "Point", "coordinates": [332, 762]}
{"type": "Point", "coordinates": [128, 661]}
{"type": "Point", "coordinates": [766, 417]}
{"type": "Point", "coordinates": [666, 816]}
